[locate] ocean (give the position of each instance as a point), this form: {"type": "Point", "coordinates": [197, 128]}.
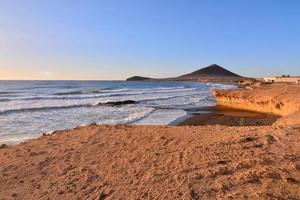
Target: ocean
{"type": "Point", "coordinates": [30, 108]}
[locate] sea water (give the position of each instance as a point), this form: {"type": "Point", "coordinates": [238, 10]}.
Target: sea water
{"type": "Point", "coordinates": [30, 108]}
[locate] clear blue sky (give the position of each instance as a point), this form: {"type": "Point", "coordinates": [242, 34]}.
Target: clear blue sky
{"type": "Point", "coordinates": [109, 39]}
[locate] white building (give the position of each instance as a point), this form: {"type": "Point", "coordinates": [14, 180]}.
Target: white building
{"type": "Point", "coordinates": [282, 79]}
{"type": "Point", "coordinates": [270, 79]}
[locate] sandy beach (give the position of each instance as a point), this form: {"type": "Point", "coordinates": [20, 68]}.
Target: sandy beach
{"type": "Point", "coordinates": [149, 100]}
{"type": "Point", "coordinates": [155, 162]}
{"type": "Point", "coordinates": [224, 158]}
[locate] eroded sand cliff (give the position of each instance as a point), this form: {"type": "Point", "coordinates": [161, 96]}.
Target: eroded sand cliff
{"type": "Point", "coordinates": [278, 99]}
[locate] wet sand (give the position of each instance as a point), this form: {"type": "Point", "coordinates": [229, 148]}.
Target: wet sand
{"type": "Point", "coordinates": [230, 117]}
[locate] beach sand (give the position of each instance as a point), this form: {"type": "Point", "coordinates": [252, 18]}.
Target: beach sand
{"type": "Point", "coordinates": [155, 162]}
{"type": "Point", "coordinates": [244, 161]}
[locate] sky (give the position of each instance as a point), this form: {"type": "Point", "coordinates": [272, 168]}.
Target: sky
{"type": "Point", "coordinates": [116, 39]}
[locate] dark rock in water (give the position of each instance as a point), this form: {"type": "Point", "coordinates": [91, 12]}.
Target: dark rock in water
{"type": "Point", "coordinates": [138, 78]}
{"type": "Point", "coordinates": [2, 146]}
{"type": "Point", "coordinates": [118, 103]}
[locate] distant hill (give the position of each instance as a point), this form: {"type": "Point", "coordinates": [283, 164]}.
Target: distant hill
{"type": "Point", "coordinates": [213, 73]}
{"type": "Point", "coordinates": [211, 70]}
{"type": "Point", "coordinates": [138, 78]}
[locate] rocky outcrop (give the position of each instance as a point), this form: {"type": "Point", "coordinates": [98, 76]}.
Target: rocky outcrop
{"type": "Point", "coordinates": [279, 99]}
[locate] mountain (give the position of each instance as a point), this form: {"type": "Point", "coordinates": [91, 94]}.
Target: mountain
{"type": "Point", "coordinates": [212, 70]}
{"type": "Point", "coordinates": [211, 74]}
{"type": "Point", "coordinates": [138, 78]}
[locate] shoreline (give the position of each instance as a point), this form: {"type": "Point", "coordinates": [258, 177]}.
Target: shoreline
{"type": "Point", "coordinates": [35, 126]}
{"type": "Point", "coordinates": [206, 115]}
